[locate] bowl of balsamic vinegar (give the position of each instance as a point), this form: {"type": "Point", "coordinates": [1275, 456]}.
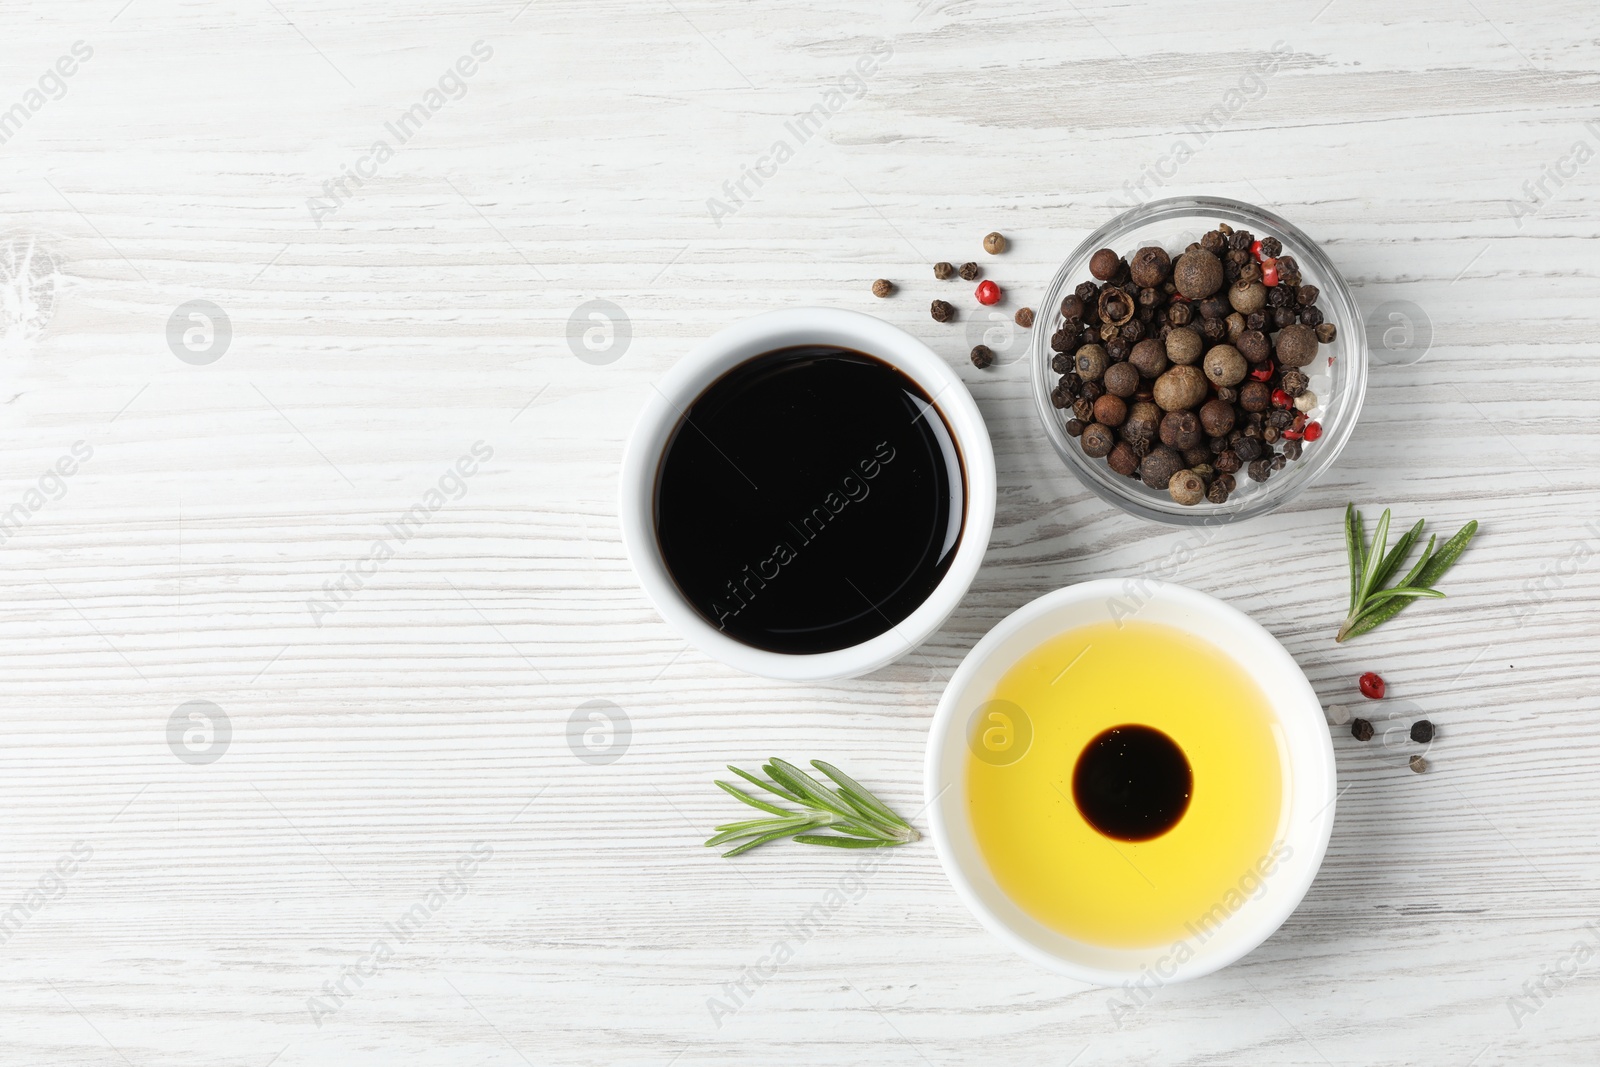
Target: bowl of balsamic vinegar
{"type": "Point", "coordinates": [808, 494]}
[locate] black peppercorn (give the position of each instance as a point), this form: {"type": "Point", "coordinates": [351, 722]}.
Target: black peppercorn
{"type": "Point", "coordinates": [1278, 462]}
{"type": "Point", "coordinates": [1059, 397]}
{"type": "Point", "coordinates": [1227, 461]}
{"type": "Point", "coordinates": [883, 287]}
{"type": "Point", "coordinates": [1097, 441]}
{"type": "Point", "coordinates": [1361, 729]}
{"type": "Point", "coordinates": [1150, 266]}
{"type": "Point", "coordinates": [1295, 382]}
{"type": "Point", "coordinates": [1326, 332]}
{"type": "Point", "coordinates": [1180, 314]}
{"type": "Point", "coordinates": [1422, 731]}
{"type": "Point", "coordinates": [942, 312]}
{"type": "Point", "coordinates": [1092, 391]}
{"type": "Point", "coordinates": [1159, 466]}
{"type": "Point", "coordinates": [1083, 408]}
{"type": "Point", "coordinates": [1118, 348]}
{"type": "Point", "coordinates": [1217, 492]}
{"type": "Point", "coordinates": [1061, 363]}
{"type": "Point", "coordinates": [1123, 459]}
{"type": "Point", "coordinates": [1133, 331]}
{"type": "Point", "coordinates": [970, 271]}
{"type": "Point", "coordinates": [1277, 296]}
{"type": "Point", "coordinates": [1270, 247]}
{"type": "Point", "coordinates": [1260, 470]}
{"type": "Point", "coordinates": [1256, 320]}
{"type": "Point", "coordinates": [1110, 410]}
{"type": "Point", "coordinates": [1023, 318]}
{"type": "Point", "coordinates": [943, 271]}
{"type": "Point", "coordinates": [1103, 264]}
{"type": "Point", "coordinates": [1086, 293]}
{"type": "Point", "coordinates": [1213, 241]}
{"type": "Point", "coordinates": [1285, 316]}
{"type": "Point", "coordinates": [1213, 308]}
{"type": "Point", "coordinates": [1197, 274]}
{"type": "Point", "coordinates": [982, 356]}
{"type": "Point", "coordinates": [1121, 379]}
{"type": "Point", "coordinates": [1418, 764]}
{"type": "Point", "coordinates": [1311, 317]}
{"type": "Point", "coordinates": [1072, 307]}
{"type": "Point", "coordinates": [1180, 430]}
{"type": "Point", "coordinates": [1075, 427]}
{"type": "Point", "coordinates": [1307, 295]}
{"type": "Point", "coordinates": [1291, 449]}
{"type": "Point", "coordinates": [1249, 449]}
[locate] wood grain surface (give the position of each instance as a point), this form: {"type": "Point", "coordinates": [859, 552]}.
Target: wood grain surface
{"type": "Point", "coordinates": [395, 769]}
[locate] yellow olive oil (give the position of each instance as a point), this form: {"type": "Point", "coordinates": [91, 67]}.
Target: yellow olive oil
{"type": "Point", "coordinates": [1122, 779]}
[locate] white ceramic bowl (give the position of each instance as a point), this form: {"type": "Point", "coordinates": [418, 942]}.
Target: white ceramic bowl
{"type": "Point", "coordinates": [1309, 780]}
{"type": "Point", "coordinates": [721, 353]}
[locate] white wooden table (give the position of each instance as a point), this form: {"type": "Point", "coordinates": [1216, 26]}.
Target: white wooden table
{"type": "Point", "coordinates": [388, 852]}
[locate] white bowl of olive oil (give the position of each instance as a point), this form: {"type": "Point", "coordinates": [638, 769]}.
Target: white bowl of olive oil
{"type": "Point", "coordinates": [1130, 781]}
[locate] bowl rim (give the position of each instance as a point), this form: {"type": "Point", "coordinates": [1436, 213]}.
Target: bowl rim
{"type": "Point", "coordinates": [1336, 433]}
{"type": "Point", "coordinates": [718, 354]}
{"type": "Point", "coordinates": [947, 728]}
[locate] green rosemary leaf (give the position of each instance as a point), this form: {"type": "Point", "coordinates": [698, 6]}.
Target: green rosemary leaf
{"type": "Point", "coordinates": [1448, 554]}
{"type": "Point", "coordinates": [768, 786]}
{"type": "Point", "coordinates": [1354, 542]}
{"type": "Point", "coordinates": [1380, 541]}
{"type": "Point", "coordinates": [842, 842]}
{"type": "Point", "coordinates": [1397, 554]}
{"type": "Point", "coordinates": [757, 841]}
{"type": "Point", "coordinates": [853, 791]}
{"type": "Point", "coordinates": [748, 799]}
{"type": "Point", "coordinates": [1412, 591]}
{"type": "Point", "coordinates": [1422, 561]}
{"type": "Point", "coordinates": [806, 787]}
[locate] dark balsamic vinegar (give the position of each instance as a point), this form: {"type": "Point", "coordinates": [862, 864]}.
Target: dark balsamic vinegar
{"type": "Point", "coordinates": [809, 500]}
{"type": "Point", "coordinates": [1132, 783]}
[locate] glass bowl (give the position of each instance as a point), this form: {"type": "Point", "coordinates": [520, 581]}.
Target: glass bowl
{"type": "Point", "coordinates": [1338, 374]}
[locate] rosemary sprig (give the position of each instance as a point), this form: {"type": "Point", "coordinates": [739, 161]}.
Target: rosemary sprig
{"type": "Point", "coordinates": [857, 818]}
{"type": "Point", "coordinates": [1372, 605]}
